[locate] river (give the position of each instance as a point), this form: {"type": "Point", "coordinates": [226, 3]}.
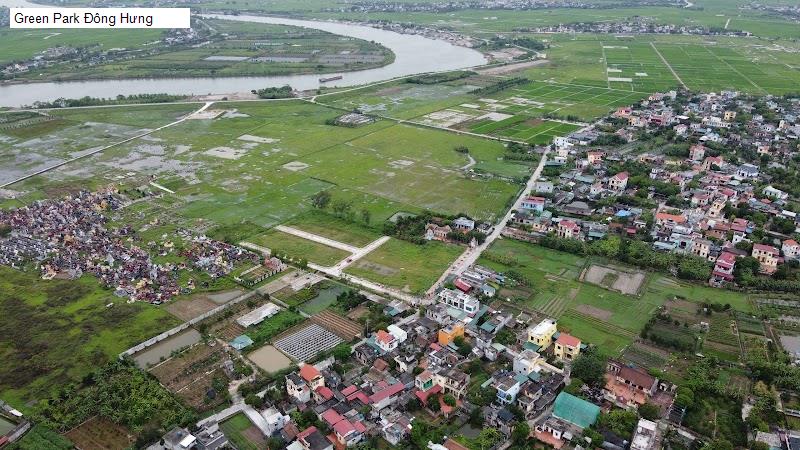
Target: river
{"type": "Point", "coordinates": [413, 54]}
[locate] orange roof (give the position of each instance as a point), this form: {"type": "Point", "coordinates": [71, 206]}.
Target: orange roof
{"type": "Point", "coordinates": [568, 340]}
{"type": "Point", "coordinates": [673, 217]}
{"type": "Point", "coordinates": [309, 372]}
{"type": "Point", "coordinates": [384, 336]}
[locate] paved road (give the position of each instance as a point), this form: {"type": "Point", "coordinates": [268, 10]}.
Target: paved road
{"type": "Point", "coordinates": [362, 252]}
{"type": "Point", "coordinates": [471, 255]}
{"type": "Point", "coordinates": [102, 149]}
{"type": "Point", "coordinates": [317, 238]}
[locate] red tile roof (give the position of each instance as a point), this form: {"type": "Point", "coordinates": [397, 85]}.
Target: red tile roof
{"type": "Point", "coordinates": [621, 176]}
{"type": "Point", "coordinates": [325, 392]}
{"type": "Point", "coordinates": [349, 390]}
{"type": "Point", "coordinates": [384, 336]}
{"type": "Point", "coordinates": [766, 248]}
{"type": "Point", "coordinates": [386, 393]}
{"type": "Point", "coordinates": [332, 417]}
{"type": "Point", "coordinates": [309, 372]}
{"type": "Point", "coordinates": [303, 434]}
{"type": "Point", "coordinates": [343, 428]}
{"type": "Point", "coordinates": [568, 340]}
{"type": "Point", "coordinates": [359, 427]}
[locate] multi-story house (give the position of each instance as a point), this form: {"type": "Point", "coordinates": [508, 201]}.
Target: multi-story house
{"type": "Point", "coordinates": [567, 347]}
{"type": "Point", "coordinates": [767, 256]}
{"type": "Point", "coordinates": [568, 229]}
{"type": "Point", "coordinates": [460, 300]}
{"type": "Point", "coordinates": [542, 334]}
{"type": "Point", "coordinates": [618, 182]}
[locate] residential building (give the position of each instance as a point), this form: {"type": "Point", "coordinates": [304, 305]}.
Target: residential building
{"type": "Point", "coordinates": [542, 334]}
{"type": "Point", "coordinates": [568, 229]}
{"type": "Point", "coordinates": [723, 267]}
{"type": "Point", "coordinates": [746, 171]}
{"type": "Point", "coordinates": [434, 232]}
{"type": "Point", "coordinates": [312, 439]}
{"type": "Point", "coordinates": [575, 410]}
{"type": "Point", "coordinates": [297, 388]}
{"type": "Point", "coordinates": [628, 386]}
{"type": "Point", "coordinates": [644, 438]}
{"type": "Point", "coordinates": [386, 341]}
{"type": "Point", "coordinates": [790, 249]}
{"type": "Point", "coordinates": [567, 347]}
{"type": "Point", "coordinates": [618, 182]}
{"type": "Point", "coordinates": [767, 255]}
{"type": "Point", "coordinates": [535, 204]}
{"type": "Point", "coordinates": [450, 332]}
{"type": "Point", "coordinates": [697, 152]}
{"type": "Point", "coordinates": [459, 300]}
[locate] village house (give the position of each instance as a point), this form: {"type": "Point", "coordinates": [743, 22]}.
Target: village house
{"type": "Point", "coordinates": [435, 232]}
{"type": "Point", "coordinates": [723, 268]}
{"type": "Point", "coordinates": [568, 229]}
{"type": "Point", "coordinates": [767, 256]}
{"type": "Point", "coordinates": [697, 152]}
{"type": "Point", "coordinates": [541, 336]}
{"type": "Point", "coordinates": [459, 300]}
{"type": "Point", "coordinates": [535, 204]}
{"type": "Point", "coordinates": [567, 347]}
{"type": "Point", "coordinates": [626, 386]}
{"type": "Point", "coordinates": [618, 182]}
{"type": "Point", "coordinates": [790, 249]}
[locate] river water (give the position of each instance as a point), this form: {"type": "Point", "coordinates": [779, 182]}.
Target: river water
{"type": "Point", "coordinates": [413, 54]}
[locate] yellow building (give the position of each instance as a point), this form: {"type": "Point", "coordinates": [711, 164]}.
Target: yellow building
{"type": "Point", "coordinates": [567, 347]}
{"type": "Point", "coordinates": [542, 334]}
{"type": "Point", "coordinates": [450, 332]}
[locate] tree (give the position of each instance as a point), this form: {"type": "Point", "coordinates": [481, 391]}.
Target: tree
{"type": "Point", "coordinates": [574, 387]}
{"type": "Point", "coordinates": [745, 268]}
{"type": "Point", "coordinates": [620, 421]}
{"type": "Point", "coordinates": [758, 445]}
{"type": "Point", "coordinates": [718, 444]}
{"type": "Point", "coordinates": [590, 367]}
{"type": "Point", "coordinates": [449, 400]}
{"type": "Point", "coordinates": [366, 216]}
{"type": "Point", "coordinates": [693, 268]}
{"type": "Point", "coordinates": [650, 411]}
{"type": "Point", "coordinates": [321, 199]}
{"type": "Point", "coordinates": [476, 418]}
{"type": "Point", "coordinates": [488, 437]}
{"type": "Point", "coordinates": [342, 352]}
{"type": "Point", "coordinates": [433, 403]}
{"type": "Point", "coordinates": [521, 433]}
{"type": "Point", "coordinates": [341, 207]}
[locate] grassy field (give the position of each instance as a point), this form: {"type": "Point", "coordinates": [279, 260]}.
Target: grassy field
{"type": "Point", "coordinates": [259, 164]}
{"type": "Point", "coordinates": [335, 228]}
{"type": "Point", "coordinates": [58, 331]}
{"type": "Point", "coordinates": [19, 44]}
{"type": "Point", "coordinates": [235, 49]}
{"type": "Point", "coordinates": [607, 318]}
{"type": "Point", "coordinates": [237, 429]}
{"type": "Point", "coordinates": [299, 248]}
{"type": "Point", "coordinates": [410, 267]}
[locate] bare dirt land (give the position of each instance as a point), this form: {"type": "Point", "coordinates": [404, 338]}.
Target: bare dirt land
{"type": "Point", "coordinates": [595, 312]}
{"type": "Point", "coordinates": [100, 434]}
{"type": "Point", "coordinates": [270, 359]}
{"type": "Point", "coordinates": [199, 304]}
{"type": "Point", "coordinates": [627, 282]}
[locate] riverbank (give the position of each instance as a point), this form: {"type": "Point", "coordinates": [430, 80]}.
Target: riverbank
{"type": "Point", "coordinates": [413, 55]}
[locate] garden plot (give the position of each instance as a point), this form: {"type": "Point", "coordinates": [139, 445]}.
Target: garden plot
{"type": "Point", "coordinates": [190, 375]}
{"type": "Point", "coordinates": [627, 282]}
{"type": "Point", "coordinates": [100, 434]}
